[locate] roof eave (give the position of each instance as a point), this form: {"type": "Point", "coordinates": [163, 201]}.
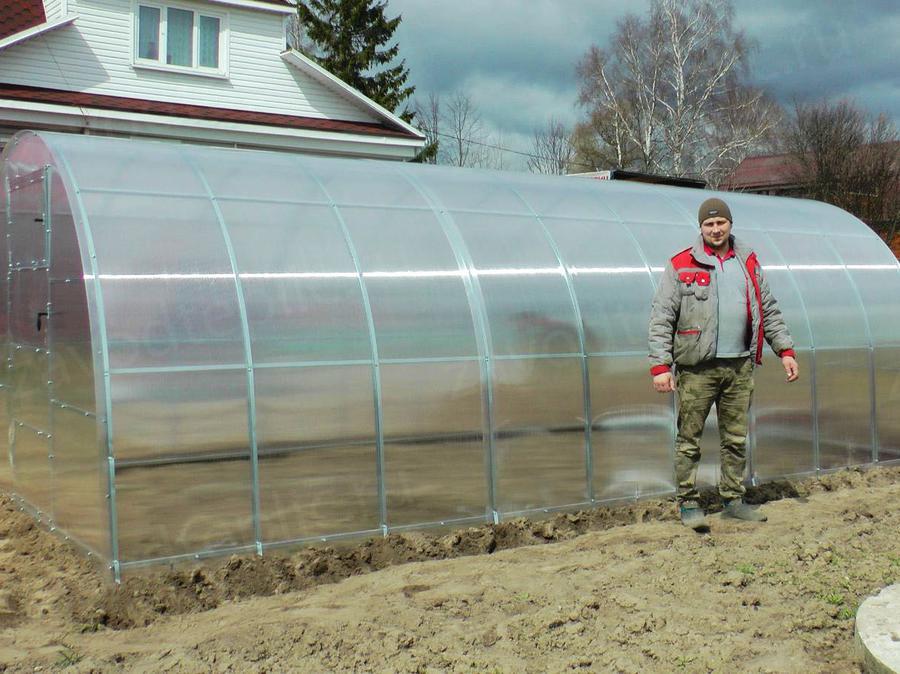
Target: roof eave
{"type": "Point", "coordinates": [263, 6]}
{"type": "Point", "coordinates": [34, 31]}
{"type": "Point", "coordinates": [318, 73]}
{"type": "Point", "coordinates": [26, 114]}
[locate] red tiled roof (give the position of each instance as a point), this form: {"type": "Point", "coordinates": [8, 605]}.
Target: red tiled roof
{"type": "Point", "coordinates": [104, 102]}
{"type": "Point", "coordinates": [17, 15]}
{"type": "Point", "coordinates": [773, 170]}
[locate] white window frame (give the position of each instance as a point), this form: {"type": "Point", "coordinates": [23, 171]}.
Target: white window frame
{"type": "Point", "coordinates": [160, 62]}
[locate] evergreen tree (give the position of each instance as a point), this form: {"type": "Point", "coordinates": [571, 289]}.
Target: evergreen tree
{"type": "Point", "coordinates": [348, 38]}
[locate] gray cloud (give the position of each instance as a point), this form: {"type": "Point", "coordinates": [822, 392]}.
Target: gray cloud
{"type": "Point", "coordinates": [516, 58]}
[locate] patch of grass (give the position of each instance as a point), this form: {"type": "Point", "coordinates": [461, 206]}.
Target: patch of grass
{"type": "Point", "coordinates": [746, 569]}
{"type": "Point", "coordinates": [523, 596]}
{"type": "Point", "coordinates": [894, 560]}
{"type": "Point", "coordinates": [846, 613]}
{"type": "Point", "coordinates": [68, 657]}
{"type": "Point", "coordinates": [682, 661]}
{"type": "Point", "coordinates": [833, 598]}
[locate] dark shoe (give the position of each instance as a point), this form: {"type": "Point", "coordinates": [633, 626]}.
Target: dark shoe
{"type": "Point", "coordinates": [739, 510]}
{"type": "Point", "coordinates": [694, 518]}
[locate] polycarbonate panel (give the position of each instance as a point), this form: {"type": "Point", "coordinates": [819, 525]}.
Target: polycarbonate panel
{"type": "Point", "coordinates": [357, 183]}
{"type": "Point", "coordinates": [151, 237]}
{"type": "Point", "coordinates": [28, 307]}
{"type": "Point", "coordinates": [80, 480]}
{"type": "Point", "coordinates": [562, 197]}
{"type": "Point", "coordinates": [147, 278]}
{"type": "Point", "coordinates": [876, 273]}
{"type": "Point", "coordinates": [316, 435]}
{"type": "Point", "coordinates": [174, 509]}
{"type": "Point", "coordinates": [539, 426]}
{"type": "Point", "coordinates": [782, 284]}
{"type": "Point", "coordinates": [832, 305]}
{"type": "Point", "coordinates": [435, 467]}
{"type": "Point", "coordinates": [659, 243]}
{"type": "Point", "coordinates": [28, 381]}
{"type": "Point", "coordinates": [65, 263]}
{"type": "Point", "coordinates": [27, 235]}
{"type": "Point", "coordinates": [479, 191]}
{"type": "Point", "coordinates": [300, 285]}
{"type": "Point", "coordinates": [71, 364]}
{"type": "Point", "coordinates": [635, 204]}
{"type": "Point", "coordinates": [528, 305]}
{"type": "Point", "coordinates": [632, 430]}
{"type": "Point", "coordinates": [887, 397]}
{"type": "Point", "coordinates": [783, 442]}
{"type": "Point", "coordinates": [844, 407]}
{"type": "Point", "coordinates": [31, 466]}
{"type": "Point", "coordinates": [158, 322]}
{"type": "Point", "coordinates": [179, 414]}
{"type": "Point", "coordinates": [611, 282]}
{"type": "Point", "coordinates": [236, 175]}
{"type": "Point", "coordinates": [110, 164]}
{"type": "Point", "coordinates": [419, 303]}
{"type": "Point", "coordinates": [301, 320]}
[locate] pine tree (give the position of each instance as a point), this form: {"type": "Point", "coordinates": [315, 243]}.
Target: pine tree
{"type": "Point", "coordinates": [348, 38]}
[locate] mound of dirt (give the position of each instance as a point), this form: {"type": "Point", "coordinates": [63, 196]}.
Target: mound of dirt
{"type": "Point", "coordinates": [622, 588]}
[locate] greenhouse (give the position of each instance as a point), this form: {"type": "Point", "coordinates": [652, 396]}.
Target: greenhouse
{"type": "Point", "coordinates": [214, 351]}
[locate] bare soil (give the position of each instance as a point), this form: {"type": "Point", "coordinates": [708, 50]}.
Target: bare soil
{"type": "Point", "coordinates": [609, 590]}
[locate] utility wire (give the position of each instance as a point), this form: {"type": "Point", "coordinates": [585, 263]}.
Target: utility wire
{"type": "Point", "coordinates": [507, 149]}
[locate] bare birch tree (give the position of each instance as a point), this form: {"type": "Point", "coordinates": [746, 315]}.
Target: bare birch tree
{"type": "Point", "coordinates": [456, 129]}
{"type": "Point", "coordinates": [671, 91]}
{"type": "Point", "coordinates": [551, 149]}
{"type": "Point", "coordinates": [427, 117]}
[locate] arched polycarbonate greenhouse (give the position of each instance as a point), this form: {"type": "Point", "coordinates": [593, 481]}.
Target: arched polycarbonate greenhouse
{"type": "Point", "coordinates": [215, 351]}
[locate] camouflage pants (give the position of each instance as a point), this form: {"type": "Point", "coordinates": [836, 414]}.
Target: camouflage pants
{"type": "Point", "coordinates": [727, 382]}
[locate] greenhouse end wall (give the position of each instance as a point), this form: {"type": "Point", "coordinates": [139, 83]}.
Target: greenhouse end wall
{"type": "Point", "coordinates": [215, 351]}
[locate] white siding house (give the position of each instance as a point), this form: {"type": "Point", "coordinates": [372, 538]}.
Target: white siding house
{"type": "Point", "coordinates": [212, 71]}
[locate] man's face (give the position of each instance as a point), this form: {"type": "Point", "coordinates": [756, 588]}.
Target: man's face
{"type": "Point", "coordinates": [715, 232]}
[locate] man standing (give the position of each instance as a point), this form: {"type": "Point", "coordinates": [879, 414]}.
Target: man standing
{"type": "Point", "coordinates": [710, 314]}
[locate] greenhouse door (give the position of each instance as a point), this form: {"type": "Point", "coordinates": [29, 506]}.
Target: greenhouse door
{"type": "Point", "coordinates": [28, 359]}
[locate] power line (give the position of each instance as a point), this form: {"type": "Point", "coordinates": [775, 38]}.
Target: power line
{"type": "Point", "coordinates": [507, 149]}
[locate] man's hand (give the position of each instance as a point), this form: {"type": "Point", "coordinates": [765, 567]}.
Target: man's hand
{"type": "Point", "coordinates": [664, 383]}
{"type": "Point", "coordinates": [791, 369]}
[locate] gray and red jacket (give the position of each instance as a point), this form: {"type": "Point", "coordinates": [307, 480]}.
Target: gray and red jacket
{"type": "Point", "coordinates": [684, 315]}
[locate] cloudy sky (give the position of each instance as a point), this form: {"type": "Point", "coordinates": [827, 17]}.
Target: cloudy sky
{"type": "Point", "coordinates": [516, 58]}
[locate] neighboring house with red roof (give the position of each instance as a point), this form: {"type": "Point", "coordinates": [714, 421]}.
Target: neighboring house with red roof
{"type": "Point", "coordinates": [774, 174]}
{"type": "Point", "coordinates": [209, 71]}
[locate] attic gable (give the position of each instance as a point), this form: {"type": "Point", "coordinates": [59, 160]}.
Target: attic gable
{"type": "Point", "coordinates": [19, 15]}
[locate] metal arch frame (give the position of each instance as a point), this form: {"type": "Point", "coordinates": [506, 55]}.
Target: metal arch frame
{"type": "Point", "coordinates": [248, 350]}
{"type": "Point", "coordinates": [51, 410]}
{"type": "Point", "coordinates": [480, 326]}
{"type": "Point", "coordinates": [373, 345]}
{"type": "Point", "coordinates": [483, 339]}
{"type": "Point", "coordinates": [5, 382]}
{"type": "Point", "coordinates": [101, 383]}
{"type": "Point", "coordinates": [582, 344]}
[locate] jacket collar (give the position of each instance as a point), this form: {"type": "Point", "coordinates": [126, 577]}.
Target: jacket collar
{"type": "Point", "coordinates": [741, 251]}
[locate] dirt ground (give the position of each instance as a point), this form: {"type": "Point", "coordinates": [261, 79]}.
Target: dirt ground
{"type": "Point", "coordinates": [609, 590]}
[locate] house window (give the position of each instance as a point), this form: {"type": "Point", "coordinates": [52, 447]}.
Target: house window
{"type": "Point", "coordinates": [178, 38]}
